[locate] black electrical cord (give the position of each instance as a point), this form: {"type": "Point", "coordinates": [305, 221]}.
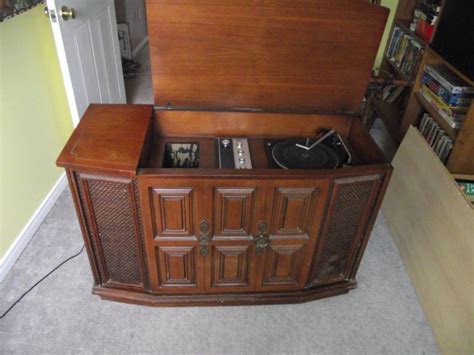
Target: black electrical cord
{"type": "Point", "coordinates": [40, 280]}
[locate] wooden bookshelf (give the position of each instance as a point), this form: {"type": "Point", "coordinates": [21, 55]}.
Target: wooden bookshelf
{"type": "Point", "coordinates": [407, 110]}
{"type": "Point", "coordinates": [392, 114]}
{"type": "Point", "coordinates": [461, 160]}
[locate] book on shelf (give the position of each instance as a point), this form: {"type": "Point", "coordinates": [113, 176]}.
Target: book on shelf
{"type": "Point", "coordinates": [452, 118]}
{"type": "Point", "coordinates": [456, 100]}
{"type": "Point", "coordinates": [449, 79]}
{"type": "Point", "coordinates": [436, 137]}
{"type": "Point", "coordinates": [387, 91]}
{"type": "Point", "coordinates": [404, 51]}
{"type": "Point", "coordinates": [395, 94]}
{"type": "Point", "coordinates": [391, 92]}
{"type": "Point", "coordinates": [425, 17]}
{"type": "Point", "coordinates": [424, 30]}
{"type": "Point", "coordinates": [451, 110]}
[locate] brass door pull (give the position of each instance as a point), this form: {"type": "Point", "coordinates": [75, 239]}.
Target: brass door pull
{"type": "Point", "coordinates": [67, 13]}
{"type": "Point", "coordinates": [204, 238]}
{"type": "Point", "coordinates": [261, 241]}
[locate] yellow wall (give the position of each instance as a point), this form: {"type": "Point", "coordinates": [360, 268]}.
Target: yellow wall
{"type": "Point", "coordinates": [34, 119]}
{"type": "Point", "coordinates": [392, 5]}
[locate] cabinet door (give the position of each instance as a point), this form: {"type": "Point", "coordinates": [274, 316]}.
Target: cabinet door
{"type": "Point", "coordinates": [172, 215]}
{"type": "Point", "coordinates": [294, 214]}
{"type": "Point", "coordinates": [346, 226]}
{"type": "Point", "coordinates": [236, 207]}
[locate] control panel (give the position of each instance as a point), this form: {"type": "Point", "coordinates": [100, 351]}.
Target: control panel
{"type": "Point", "coordinates": [234, 153]}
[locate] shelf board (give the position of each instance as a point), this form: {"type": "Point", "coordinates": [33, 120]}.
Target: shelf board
{"type": "Point", "coordinates": [399, 72]}
{"type": "Point", "coordinates": [450, 131]}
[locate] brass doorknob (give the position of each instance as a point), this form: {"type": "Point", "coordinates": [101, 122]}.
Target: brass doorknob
{"type": "Point", "coordinates": [204, 238]}
{"type": "Point", "coordinates": [67, 13]}
{"type": "Point", "coordinates": [261, 240]}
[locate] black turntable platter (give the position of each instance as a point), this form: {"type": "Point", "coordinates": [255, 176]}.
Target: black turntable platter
{"type": "Point", "coordinates": [331, 153]}
{"type": "Point", "coordinates": [287, 155]}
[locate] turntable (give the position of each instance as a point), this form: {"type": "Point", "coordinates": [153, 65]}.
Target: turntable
{"type": "Point", "coordinates": [326, 151]}
{"type": "Point", "coordinates": [251, 180]}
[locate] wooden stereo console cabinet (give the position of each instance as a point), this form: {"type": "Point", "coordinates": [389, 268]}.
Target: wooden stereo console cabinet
{"type": "Point", "coordinates": [160, 235]}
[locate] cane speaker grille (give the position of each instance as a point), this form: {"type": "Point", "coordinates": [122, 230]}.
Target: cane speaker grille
{"type": "Point", "coordinates": [343, 230]}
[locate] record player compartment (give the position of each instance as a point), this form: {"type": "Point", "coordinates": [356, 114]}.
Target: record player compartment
{"type": "Point", "coordinates": [202, 128]}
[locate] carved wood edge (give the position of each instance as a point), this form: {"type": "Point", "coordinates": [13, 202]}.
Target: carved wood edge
{"type": "Point", "coordinates": [228, 299]}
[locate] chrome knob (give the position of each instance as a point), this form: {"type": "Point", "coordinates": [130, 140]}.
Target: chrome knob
{"type": "Point", "coordinates": [225, 143]}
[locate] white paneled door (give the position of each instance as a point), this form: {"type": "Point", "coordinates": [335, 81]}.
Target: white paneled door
{"type": "Point", "coordinates": [85, 33]}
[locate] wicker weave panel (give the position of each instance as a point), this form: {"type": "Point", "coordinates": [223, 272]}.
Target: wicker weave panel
{"type": "Point", "coordinates": [349, 207]}
{"type": "Point", "coordinates": [116, 228]}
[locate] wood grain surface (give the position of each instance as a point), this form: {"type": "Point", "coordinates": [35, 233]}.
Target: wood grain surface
{"type": "Point", "coordinates": [109, 138]}
{"type": "Point", "coordinates": [269, 54]}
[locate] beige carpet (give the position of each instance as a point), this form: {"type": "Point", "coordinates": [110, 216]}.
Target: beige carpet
{"type": "Point", "coordinates": [61, 316]}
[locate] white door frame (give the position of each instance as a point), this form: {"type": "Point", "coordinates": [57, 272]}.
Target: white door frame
{"type": "Point", "coordinates": [94, 81]}
{"type": "Point", "coordinates": [58, 40]}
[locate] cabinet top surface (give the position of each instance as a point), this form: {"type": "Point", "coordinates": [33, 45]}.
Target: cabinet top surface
{"type": "Point", "coordinates": [109, 138]}
{"type": "Point", "coordinates": [314, 55]}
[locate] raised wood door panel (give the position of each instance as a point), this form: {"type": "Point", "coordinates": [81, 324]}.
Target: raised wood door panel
{"type": "Point", "coordinates": [294, 213]}
{"type": "Point", "coordinates": [172, 213]}
{"type": "Point", "coordinates": [177, 266]}
{"type": "Point", "coordinates": [112, 220]}
{"type": "Point", "coordinates": [283, 265]}
{"type": "Point", "coordinates": [293, 210]}
{"type": "Point", "coordinates": [231, 267]}
{"type": "Point", "coordinates": [173, 210]}
{"type": "Point", "coordinates": [346, 224]}
{"type": "Point", "coordinates": [236, 206]}
{"type": "Point", "coordinates": [234, 211]}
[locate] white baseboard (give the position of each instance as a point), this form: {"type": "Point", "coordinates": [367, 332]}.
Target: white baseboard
{"type": "Point", "coordinates": [139, 46]}
{"type": "Point", "coordinates": [22, 240]}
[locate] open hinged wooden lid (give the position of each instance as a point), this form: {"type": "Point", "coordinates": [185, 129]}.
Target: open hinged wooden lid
{"type": "Point", "coordinates": [282, 55]}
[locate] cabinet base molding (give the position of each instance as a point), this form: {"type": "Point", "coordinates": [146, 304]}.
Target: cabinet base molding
{"type": "Point", "coordinates": [228, 299]}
